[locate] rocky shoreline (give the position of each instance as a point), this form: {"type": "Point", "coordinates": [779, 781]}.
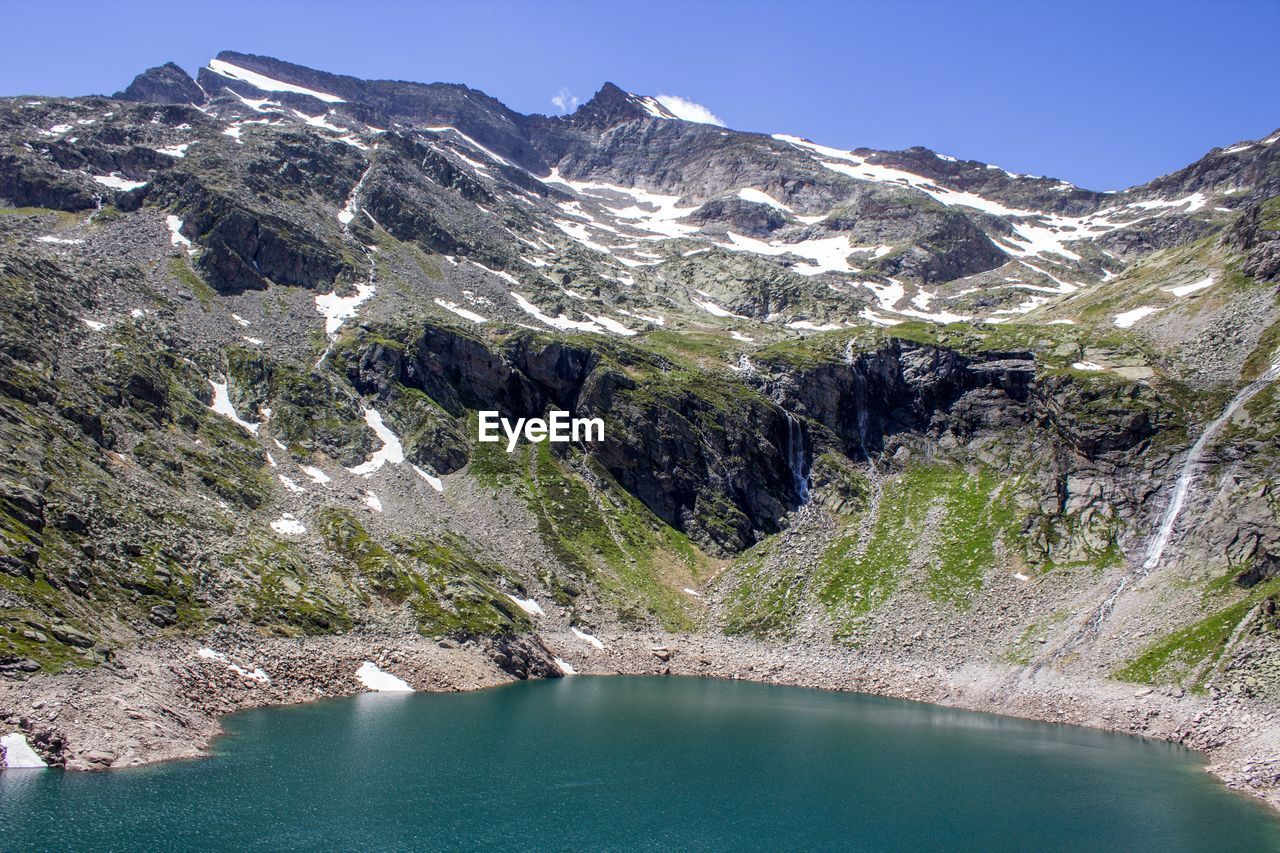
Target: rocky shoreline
{"type": "Point", "coordinates": [164, 700]}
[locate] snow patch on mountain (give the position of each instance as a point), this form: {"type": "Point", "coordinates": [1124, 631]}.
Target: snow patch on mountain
{"type": "Point", "coordinates": [391, 452]}
{"type": "Point", "coordinates": [821, 254]}
{"type": "Point", "coordinates": [321, 121]}
{"type": "Point", "coordinates": [336, 309]}
{"type": "Point", "coordinates": [265, 83]}
{"type": "Point", "coordinates": [612, 325]}
{"type": "Point", "coordinates": [288, 525]}
{"type": "Point", "coordinates": [715, 310]}
{"type": "Point", "coordinates": [116, 181]}
{"type": "Point", "coordinates": [290, 484]}
{"type": "Point", "coordinates": [491, 154]}
{"type": "Point", "coordinates": [1129, 318]}
{"type": "Point", "coordinates": [528, 605]}
{"type": "Point", "coordinates": [175, 151]}
{"type": "Point", "coordinates": [460, 311]}
{"type": "Point", "coordinates": [586, 638]}
{"type": "Point", "coordinates": [258, 105]}
{"type": "Point", "coordinates": [761, 197]}
{"type": "Point", "coordinates": [432, 481]}
{"type": "Point", "coordinates": [1035, 233]}
{"type": "Point", "coordinates": [257, 674]}
{"type": "Point", "coordinates": [375, 679]}
{"type": "Point", "coordinates": [176, 237]}
{"type": "Point", "coordinates": [222, 405]}
{"type": "Point", "coordinates": [1188, 289]}
{"type": "Point", "coordinates": [558, 322]}
{"type": "Point", "coordinates": [317, 476]}
{"type": "Point", "coordinates": [18, 754]}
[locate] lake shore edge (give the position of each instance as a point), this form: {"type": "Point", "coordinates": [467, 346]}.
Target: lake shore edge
{"type": "Point", "coordinates": [165, 700]}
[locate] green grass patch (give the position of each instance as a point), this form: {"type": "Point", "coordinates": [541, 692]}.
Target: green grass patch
{"type": "Point", "coordinates": [599, 533]}
{"type": "Point", "coordinates": [448, 588]}
{"type": "Point", "coordinates": [764, 603]}
{"type": "Point", "coordinates": [1194, 649]}
{"type": "Point", "coordinates": [182, 271]}
{"type": "Point", "coordinates": [969, 512]}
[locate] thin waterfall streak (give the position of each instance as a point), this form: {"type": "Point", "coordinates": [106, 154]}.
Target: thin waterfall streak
{"type": "Point", "coordinates": [1187, 474]}
{"type": "Point", "coordinates": [796, 458]}
{"type": "Point", "coordinates": [1182, 489]}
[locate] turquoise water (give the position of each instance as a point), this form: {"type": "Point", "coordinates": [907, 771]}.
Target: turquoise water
{"type": "Point", "coordinates": [656, 763]}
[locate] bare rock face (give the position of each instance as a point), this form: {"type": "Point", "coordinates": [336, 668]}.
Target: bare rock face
{"type": "Point", "coordinates": [1260, 238]}
{"type": "Point", "coordinates": [523, 658]}
{"type": "Point", "coordinates": [164, 84]}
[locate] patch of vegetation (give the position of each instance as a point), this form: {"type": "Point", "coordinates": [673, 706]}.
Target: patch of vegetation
{"type": "Point", "coordinates": [1263, 354]}
{"type": "Point", "coordinates": [590, 529]}
{"type": "Point", "coordinates": [428, 432]}
{"type": "Point", "coordinates": [597, 530]}
{"type": "Point", "coordinates": [1033, 635]}
{"type": "Point", "coordinates": [448, 589]}
{"type": "Point", "coordinates": [977, 512]}
{"type": "Point", "coordinates": [969, 513]}
{"type": "Point", "coordinates": [182, 271]}
{"type": "Point", "coordinates": [764, 603]}
{"type": "Point", "coordinates": [491, 465]}
{"type": "Point", "coordinates": [1185, 652]}
{"type": "Point", "coordinates": [1093, 537]}
{"type": "Point", "coordinates": [706, 349]}
{"type": "Point", "coordinates": [64, 218]}
{"type": "Point", "coordinates": [855, 577]}
{"type": "Point", "coordinates": [463, 595]}
{"type": "Point", "coordinates": [24, 635]}
{"type": "Point", "coordinates": [312, 412]}
{"type": "Point", "coordinates": [810, 351]}
{"type": "Point", "coordinates": [1269, 216]}
{"type": "Point", "coordinates": [279, 593]}
{"type": "Point", "coordinates": [107, 213]}
{"type": "Point", "coordinates": [372, 562]}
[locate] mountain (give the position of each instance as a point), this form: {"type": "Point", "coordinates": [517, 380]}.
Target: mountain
{"type": "Point", "coordinates": [986, 438]}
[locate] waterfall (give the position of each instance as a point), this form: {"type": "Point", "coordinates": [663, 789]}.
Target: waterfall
{"type": "Point", "coordinates": [796, 457]}
{"type": "Point", "coordinates": [1182, 488]}
{"type": "Point", "coordinates": [863, 419]}
{"type": "Point", "coordinates": [1187, 474]}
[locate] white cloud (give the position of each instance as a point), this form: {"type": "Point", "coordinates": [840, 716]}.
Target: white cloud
{"type": "Point", "coordinates": [689, 110]}
{"type": "Point", "coordinates": [565, 101]}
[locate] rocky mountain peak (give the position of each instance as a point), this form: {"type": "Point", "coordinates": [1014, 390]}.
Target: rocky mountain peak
{"type": "Point", "coordinates": [613, 105]}
{"type": "Point", "coordinates": [163, 84]}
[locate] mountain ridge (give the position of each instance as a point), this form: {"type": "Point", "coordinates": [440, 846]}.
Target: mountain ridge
{"type": "Point", "coordinates": [301, 73]}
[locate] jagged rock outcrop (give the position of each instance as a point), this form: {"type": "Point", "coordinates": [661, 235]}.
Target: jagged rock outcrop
{"type": "Point", "coordinates": [164, 84]}
{"type": "Point", "coordinates": [1259, 239]}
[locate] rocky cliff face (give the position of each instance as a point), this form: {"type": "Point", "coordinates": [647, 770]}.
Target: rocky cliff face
{"type": "Point", "coordinates": [164, 84]}
{"type": "Point", "coordinates": [885, 399]}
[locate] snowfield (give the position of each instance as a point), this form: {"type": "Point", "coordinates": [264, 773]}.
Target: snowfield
{"type": "Point", "coordinates": [265, 83]}
{"type": "Point", "coordinates": [375, 679]}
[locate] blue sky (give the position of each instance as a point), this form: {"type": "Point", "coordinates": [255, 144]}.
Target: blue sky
{"type": "Point", "coordinates": [1102, 94]}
